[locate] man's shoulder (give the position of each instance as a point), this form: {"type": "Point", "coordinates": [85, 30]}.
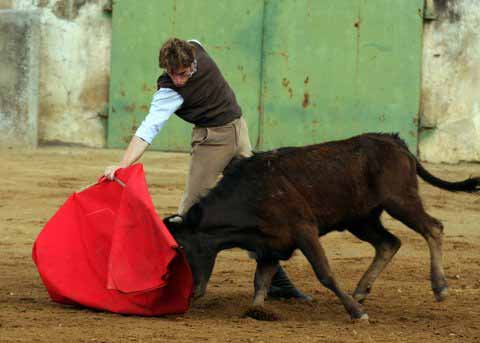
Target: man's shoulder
{"type": "Point", "coordinates": [196, 41]}
{"type": "Point", "coordinates": [198, 45]}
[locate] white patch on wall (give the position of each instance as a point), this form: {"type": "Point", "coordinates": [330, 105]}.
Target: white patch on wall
{"type": "Point", "coordinates": [451, 85]}
{"type": "Point", "coordinates": [74, 72]}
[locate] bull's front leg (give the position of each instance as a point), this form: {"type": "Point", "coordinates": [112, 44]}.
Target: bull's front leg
{"type": "Point", "coordinates": [263, 278]}
{"type": "Point", "coordinates": [313, 251]}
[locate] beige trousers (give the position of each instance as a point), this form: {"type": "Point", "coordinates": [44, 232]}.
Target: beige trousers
{"type": "Point", "coordinates": [212, 149]}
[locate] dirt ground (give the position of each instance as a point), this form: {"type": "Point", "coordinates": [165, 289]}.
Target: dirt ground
{"type": "Point", "coordinates": [401, 307]}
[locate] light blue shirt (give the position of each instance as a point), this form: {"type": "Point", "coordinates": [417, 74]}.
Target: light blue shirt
{"type": "Point", "coordinates": [164, 103]}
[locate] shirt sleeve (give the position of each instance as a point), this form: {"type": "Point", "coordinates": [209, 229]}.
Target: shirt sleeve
{"type": "Point", "coordinates": [164, 103]}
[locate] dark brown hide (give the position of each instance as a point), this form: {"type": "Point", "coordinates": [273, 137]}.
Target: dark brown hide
{"type": "Point", "coordinates": [282, 200]}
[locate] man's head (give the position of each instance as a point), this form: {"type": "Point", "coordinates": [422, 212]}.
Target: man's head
{"type": "Point", "coordinates": [177, 57]}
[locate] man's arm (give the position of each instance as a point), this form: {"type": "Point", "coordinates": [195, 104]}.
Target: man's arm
{"type": "Point", "coordinates": [134, 151]}
{"type": "Point", "coordinates": [164, 103]}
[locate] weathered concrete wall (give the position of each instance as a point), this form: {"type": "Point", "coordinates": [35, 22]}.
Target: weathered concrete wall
{"type": "Point", "coordinates": [74, 74]}
{"type": "Point", "coordinates": [450, 124]}
{"type": "Point", "coordinates": [19, 47]}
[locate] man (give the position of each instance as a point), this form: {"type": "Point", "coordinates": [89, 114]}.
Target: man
{"type": "Point", "coordinates": [193, 88]}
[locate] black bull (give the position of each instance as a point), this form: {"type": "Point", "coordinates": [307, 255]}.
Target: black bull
{"type": "Point", "coordinates": [282, 200]}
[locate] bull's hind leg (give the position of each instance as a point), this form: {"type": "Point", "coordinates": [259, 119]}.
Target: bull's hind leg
{"type": "Point", "coordinates": [386, 246]}
{"type": "Point", "coordinates": [409, 210]}
{"type": "Point", "coordinates": [310, 246]}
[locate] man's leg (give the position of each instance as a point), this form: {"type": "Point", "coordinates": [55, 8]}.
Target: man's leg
{"type": "Point", "coordinates": [243, 145]}
{"type": "Point", "coordinates": [282, 288]}
{"type": "Point", "coordinates": [212, 150]}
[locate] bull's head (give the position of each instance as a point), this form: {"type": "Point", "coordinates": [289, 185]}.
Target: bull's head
{"type": "Point", "coordinates": [198, 250]}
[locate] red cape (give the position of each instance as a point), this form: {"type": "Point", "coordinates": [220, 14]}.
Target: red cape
{"type": "Point", "coordinates": [106, 248]}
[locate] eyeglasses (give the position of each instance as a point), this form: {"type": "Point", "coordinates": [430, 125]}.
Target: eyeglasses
{"type": "Point", "coordinates": [186, 73]}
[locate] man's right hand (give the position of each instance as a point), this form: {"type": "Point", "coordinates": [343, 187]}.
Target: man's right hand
{"type": "Point", "coordinates": [134, 151]}
{"type": "Point", "coordinates": [110, 172]}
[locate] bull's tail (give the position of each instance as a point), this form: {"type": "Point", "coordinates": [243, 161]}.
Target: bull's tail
{"type": "Point", "coordinates": [470, 185]}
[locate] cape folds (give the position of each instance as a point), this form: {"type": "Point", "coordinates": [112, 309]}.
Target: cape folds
{"type": "Point", "coordinates": [106, 248]}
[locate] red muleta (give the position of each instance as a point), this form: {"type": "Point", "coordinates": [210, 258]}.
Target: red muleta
{"type": "Point", "coordinates": [106, 248]}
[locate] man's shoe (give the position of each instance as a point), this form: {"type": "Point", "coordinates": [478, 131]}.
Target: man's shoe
{"type": "Point", "coordinates": [283, 288]}
{"type": "Point", "coordinates": [174, 218]}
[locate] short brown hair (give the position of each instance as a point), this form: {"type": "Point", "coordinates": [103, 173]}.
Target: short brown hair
{"type": "Point", "coordinates": [176, 53]}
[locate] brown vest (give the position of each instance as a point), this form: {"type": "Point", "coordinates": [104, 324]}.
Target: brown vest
{"type": "Point", "coordinates": [208, 100]}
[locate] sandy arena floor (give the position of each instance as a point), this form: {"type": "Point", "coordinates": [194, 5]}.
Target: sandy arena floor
{"type": "Point", "coordinates": [401, 308]}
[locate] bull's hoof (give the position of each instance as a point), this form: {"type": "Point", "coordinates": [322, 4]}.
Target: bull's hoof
{"type": "Point", "coordinates": [261, 313]}
{"type": "Point", "coordinates": [441, 294]}
{"type": "Point", "coordinates": [198, 292]}
{"type": "Point", "coordinates": [361, 319]}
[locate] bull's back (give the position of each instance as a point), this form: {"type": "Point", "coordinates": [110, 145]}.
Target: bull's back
{"type": "Point", "coordinates": [331, 182]}
{"type": "Point", "coordinates": [338, 180]}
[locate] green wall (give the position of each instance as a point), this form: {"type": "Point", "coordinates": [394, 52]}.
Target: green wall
{"type": "Point", "coordinates": [304, 71]}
